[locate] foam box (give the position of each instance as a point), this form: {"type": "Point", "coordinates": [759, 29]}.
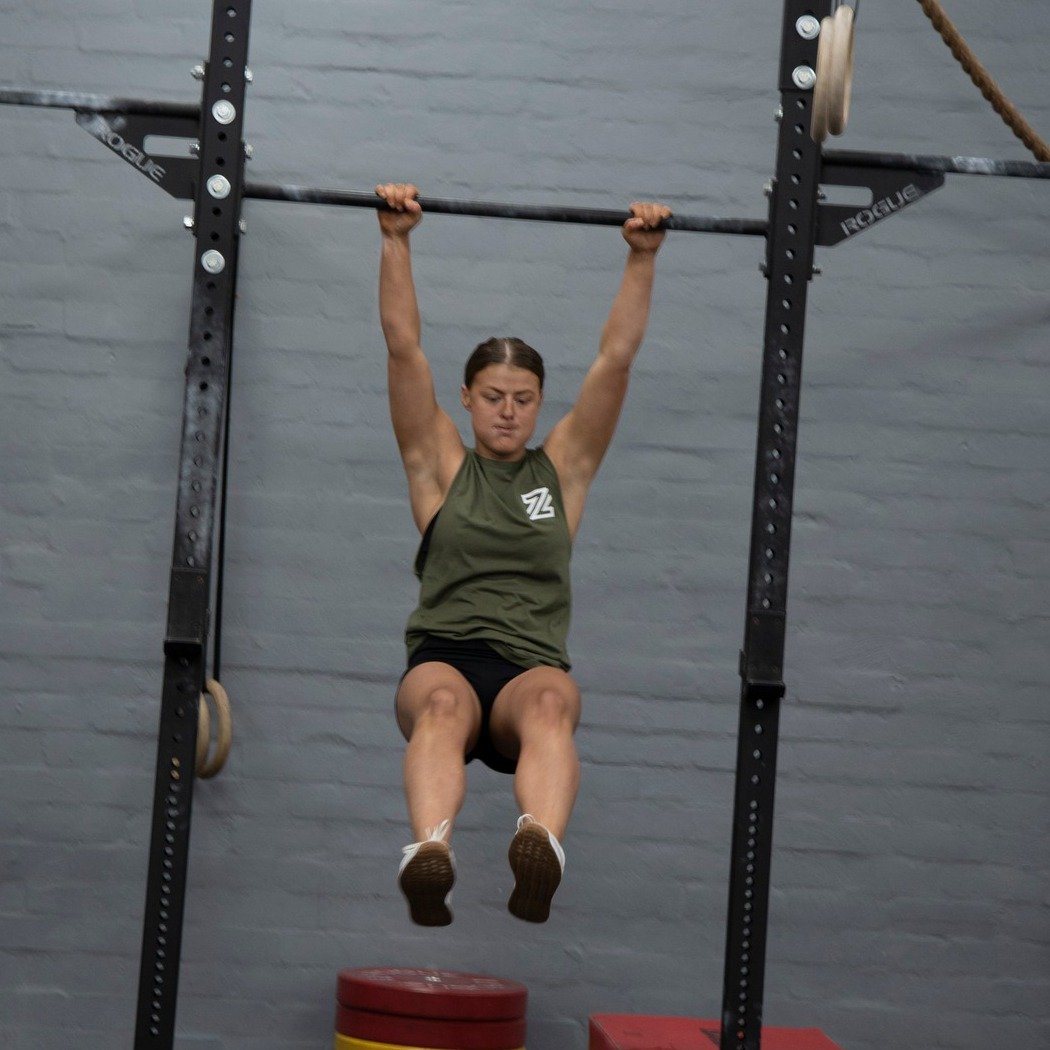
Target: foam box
{"type": "Point", "coordinates": [639, 1032]}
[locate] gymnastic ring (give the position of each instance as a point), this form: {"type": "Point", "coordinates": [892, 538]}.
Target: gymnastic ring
{"type": "Point", "coordinates": [818, 125]}
{"type": "Point", "coordinates": [223, 733]}
{"type": "Point", "coordinates": [840, 77]}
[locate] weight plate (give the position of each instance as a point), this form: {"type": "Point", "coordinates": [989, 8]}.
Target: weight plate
{"type": "Point", "coordinates": [430, 1032]}
{"type": "Point", "coordinates": [432, 993]}
{"type": "Point", "coordinates": [348, 1042]}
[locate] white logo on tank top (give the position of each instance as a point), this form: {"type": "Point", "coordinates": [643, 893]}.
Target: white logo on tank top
{"type": "Point", "coordinates": [539, 504]}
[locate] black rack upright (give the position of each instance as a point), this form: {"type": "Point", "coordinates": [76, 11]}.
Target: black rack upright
{"type": "Point", "coordinates": [216, 226]}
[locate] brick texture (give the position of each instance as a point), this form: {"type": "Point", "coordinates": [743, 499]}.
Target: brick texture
{"type": "Point", "coordinates": [909, 903]}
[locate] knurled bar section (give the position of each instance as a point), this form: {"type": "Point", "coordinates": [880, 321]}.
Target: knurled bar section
{"type": "Point", "coordinates": [789, 267]}
{"type": "Point", "coordinates": [207, 370]}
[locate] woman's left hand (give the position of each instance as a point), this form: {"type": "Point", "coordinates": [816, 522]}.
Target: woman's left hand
{"type": "Point", "coordinates": [642, 231]}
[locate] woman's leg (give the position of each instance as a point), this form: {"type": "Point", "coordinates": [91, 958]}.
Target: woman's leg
{"type": "Point", "coordinates": [534, 718]}
{"type": "Point", "coordinates": [440, 717]}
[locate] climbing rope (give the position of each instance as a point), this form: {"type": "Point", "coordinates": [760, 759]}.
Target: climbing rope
{"type": "Point", "coordinates": [979, 75]}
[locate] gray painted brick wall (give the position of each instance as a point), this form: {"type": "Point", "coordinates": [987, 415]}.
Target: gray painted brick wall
{"type": "Point", "coordinates": [909, 903]}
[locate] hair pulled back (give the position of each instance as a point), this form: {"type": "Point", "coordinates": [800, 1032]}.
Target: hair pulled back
{"type": "Point", "coordinates": [503, 351]}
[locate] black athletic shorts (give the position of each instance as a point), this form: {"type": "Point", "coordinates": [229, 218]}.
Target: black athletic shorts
{"type": "Point", "coordinates": [487, 672]}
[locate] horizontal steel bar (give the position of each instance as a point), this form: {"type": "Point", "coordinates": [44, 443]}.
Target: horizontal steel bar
{"type": "Point", "coordinates": [1014, 169]}
{"type": "Point", "coordinates": [84, 103]}
{"type": "Point", "coordinates": [535, 212]}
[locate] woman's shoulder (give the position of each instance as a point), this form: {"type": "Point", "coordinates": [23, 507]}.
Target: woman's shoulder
{"type": "Point", "coordinates": [545, 464]}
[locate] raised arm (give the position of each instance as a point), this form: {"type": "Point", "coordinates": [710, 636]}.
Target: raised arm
{"type": "Point", "coordinates": [578, 442]}
{"type": "Point", "coordinates": [430, 445]}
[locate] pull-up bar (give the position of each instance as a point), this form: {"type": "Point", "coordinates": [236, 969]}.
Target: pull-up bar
{"type": "Point", "coordinates": [933, 165]}
{"type": "Point", "coordinates": [103, 104]}
{"type": "Point", "coordinates": [490, 209]}
{"type": "Point", "coordinates": [85, 103]}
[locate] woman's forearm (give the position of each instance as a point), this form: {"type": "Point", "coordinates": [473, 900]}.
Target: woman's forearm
{"type": "Point", "coordinates": [398, 308]}
{"type": "Point", "coordinates": [629, 315]}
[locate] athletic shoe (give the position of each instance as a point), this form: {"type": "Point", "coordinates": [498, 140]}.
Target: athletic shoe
{"type": "Point", "coordinates": [426, 875]}
{"type": "Point", "coordinates": [538, 861]}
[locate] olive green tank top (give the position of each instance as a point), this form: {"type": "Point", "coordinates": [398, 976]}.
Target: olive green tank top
{"type": "Point", "coordinates": [494, 562]}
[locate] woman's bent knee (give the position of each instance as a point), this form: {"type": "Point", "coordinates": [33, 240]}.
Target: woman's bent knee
{"type": "Point", "coordinates": [549, 709]}
{"type": "Point", "coordinates": [428, 699]}
{"type": "Point", "coordinates": [441, 710]}
{"type": "Point", "coordinates": [443, 704]}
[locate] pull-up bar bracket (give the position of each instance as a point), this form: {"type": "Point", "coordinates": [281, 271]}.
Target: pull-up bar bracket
{"type": "Point", "coordinates": [892, 190]}
{"type": "Point", "coordinates": [126, 135]}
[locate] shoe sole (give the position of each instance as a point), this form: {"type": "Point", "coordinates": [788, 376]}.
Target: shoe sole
{"type": "Point", "coordinates": [537, 874]}
{"type": "Point", "coordinates": [426, 883]}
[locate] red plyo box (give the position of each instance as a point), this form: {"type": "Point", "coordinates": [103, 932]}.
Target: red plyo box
{"type": "Point", "coordinates": [639, 1032]}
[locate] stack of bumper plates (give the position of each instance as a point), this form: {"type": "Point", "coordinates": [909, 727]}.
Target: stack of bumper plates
{"type": "Point", "coordinates": [404, 1009]}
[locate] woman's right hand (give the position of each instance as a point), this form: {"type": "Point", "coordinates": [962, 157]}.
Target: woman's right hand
{"type": "Point", "coordinates": [407, 211]}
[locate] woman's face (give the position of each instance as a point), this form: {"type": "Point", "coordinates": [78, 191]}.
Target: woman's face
{"type": "Point", "coordinates": [503, 402]}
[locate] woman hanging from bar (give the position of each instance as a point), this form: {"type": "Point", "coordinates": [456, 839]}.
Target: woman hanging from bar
{"type": "Point", "coordinates": [488, 669]}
